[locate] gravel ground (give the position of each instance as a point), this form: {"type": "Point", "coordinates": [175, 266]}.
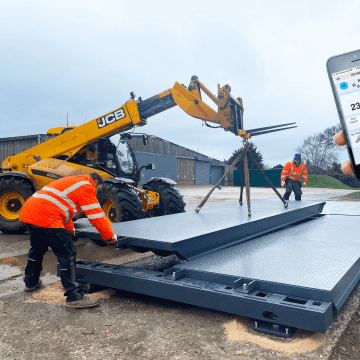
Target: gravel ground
{"type": "Point", "coordinates": [130, 326]}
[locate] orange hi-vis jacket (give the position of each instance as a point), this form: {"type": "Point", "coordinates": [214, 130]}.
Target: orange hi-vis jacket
{"type": "Point", "coordinates": [293, 172]}
{"type": "Point", "coordinates": [55, 205]}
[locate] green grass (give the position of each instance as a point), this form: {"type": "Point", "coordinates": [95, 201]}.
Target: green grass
{"type": "Point", "coordinates": [324, 181]}
{"type": "Point", "coordinates": [352, 196]}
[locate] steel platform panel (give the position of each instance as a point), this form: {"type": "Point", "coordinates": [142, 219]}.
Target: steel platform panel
{"type": "Point", "coordinates": [272, 307]}
{"type": "Point", "coordinates": [318, 259]}
{"type": "Point", "coordinates": [349, 208]}
{"type": "Point", "coordinates": [192, 234]}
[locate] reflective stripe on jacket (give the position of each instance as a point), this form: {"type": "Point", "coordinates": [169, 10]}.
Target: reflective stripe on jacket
{"type": "Point", "coordinates": [293, 172]}
{"type": "Point", "coordinates": [56, 204]}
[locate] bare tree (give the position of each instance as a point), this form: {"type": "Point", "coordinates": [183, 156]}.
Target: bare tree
{"type": "Point", "coordinates": [334, 169]}
{"type": "Point", "coordinates": [319, 150]}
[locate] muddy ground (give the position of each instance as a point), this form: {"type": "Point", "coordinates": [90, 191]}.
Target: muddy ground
{"type": "Point", "coordinates": [129, 326]}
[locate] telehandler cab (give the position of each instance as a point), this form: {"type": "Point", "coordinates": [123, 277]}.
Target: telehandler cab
{"type": "Point", "coordinates": [87, 148]}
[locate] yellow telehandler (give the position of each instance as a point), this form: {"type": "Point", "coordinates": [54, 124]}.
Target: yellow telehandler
{"type": "Point", "coordinates": [87, 148]}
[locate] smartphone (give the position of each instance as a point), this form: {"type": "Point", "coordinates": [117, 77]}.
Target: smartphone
{"type": "Point", "coordinates": [344, 75]}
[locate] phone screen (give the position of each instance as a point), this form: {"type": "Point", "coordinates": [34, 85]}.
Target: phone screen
{"type": "Point", "coordinates": [347, 85]}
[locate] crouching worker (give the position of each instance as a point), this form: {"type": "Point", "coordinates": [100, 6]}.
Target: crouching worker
{"type": "Point", "coordinates": [290, 177]}
{"type": "Point", "coordinates": [48, 215]}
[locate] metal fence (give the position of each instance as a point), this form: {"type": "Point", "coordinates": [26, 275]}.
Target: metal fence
{"type": "Point", "coordinates": [256, 178]}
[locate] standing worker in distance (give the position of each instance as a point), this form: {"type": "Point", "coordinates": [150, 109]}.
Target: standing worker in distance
{"type": "Point", "coordinates": [48, 214]}
{"type": "Point", "coordinates": [290, 177]}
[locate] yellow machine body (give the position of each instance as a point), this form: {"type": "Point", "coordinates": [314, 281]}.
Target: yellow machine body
{"type": "Point", "coordinates": [51, 156]}
{"type": "Point", "coordinates": [46, 171]}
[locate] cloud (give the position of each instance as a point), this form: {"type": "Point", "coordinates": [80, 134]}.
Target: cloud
{"type": "Point", "coordinates": [85, 57]}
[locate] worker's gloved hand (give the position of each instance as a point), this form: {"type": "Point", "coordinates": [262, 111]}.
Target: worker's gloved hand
{"type": "Point", "coordinates": [113, 239]}
{"type": "Point", "coordinates": [346, 167]}
{"type": "Point", "coordinates": [283, 184]}
{"type": "Point", "coordinates": [304, 184]}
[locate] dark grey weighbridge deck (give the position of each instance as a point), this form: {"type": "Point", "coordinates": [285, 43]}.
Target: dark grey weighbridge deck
{"type": "Point", "coordinates": [284, 268]}
{"type": "Point", "coordinates": [192, 234]}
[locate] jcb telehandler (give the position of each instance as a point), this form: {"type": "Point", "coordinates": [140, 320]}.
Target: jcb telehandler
{"type": "Point", "coordinates": [87, 148]}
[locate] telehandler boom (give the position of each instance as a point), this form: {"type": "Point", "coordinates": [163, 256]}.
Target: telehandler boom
{"type": "Point", "coordinates": [86, 148]}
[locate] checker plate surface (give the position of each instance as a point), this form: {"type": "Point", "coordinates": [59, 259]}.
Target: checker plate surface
{"type": "Point", "coordinates": [322, 254]}
{"type": "Point", "coordinates": [191, 234]}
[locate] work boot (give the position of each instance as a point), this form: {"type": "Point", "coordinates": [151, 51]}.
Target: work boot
{"type": "Point", "coordinates": [298, 198]}
{"type": "Point", "coordinates": [84, 303]}
{"type": "Point", "coordinates": [39, 284]}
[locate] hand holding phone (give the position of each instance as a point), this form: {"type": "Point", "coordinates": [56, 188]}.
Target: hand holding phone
{"type": "Point", "coordinates": [344, 75]}
{"type": "Point", "coordinates": [346, 167]}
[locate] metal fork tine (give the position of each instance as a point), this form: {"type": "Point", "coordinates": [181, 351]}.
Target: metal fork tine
{"type": "Point", "coordinates": [269, 131]}
{"type": "Point", "coordinates": [270, 127]}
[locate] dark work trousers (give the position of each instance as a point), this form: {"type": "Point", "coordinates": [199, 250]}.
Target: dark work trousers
{"type": "Point", "coordinates": [292, 186]}
{"type": "Point", "coordinates": [61, 244]}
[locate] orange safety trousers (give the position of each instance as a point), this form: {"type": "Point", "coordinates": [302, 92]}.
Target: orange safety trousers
{"type": "Point", "coordinates": [56, 204]}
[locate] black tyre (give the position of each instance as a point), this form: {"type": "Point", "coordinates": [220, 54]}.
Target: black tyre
{"type": "Point", "coordinates": [171, 201]}
{"type": "Point", "coordinates": [120, 203]}
{"type": "Point", "coordinates": [14, 192]}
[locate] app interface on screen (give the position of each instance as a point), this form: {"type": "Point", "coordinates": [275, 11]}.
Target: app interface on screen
{"type": "Point", "coordinates": [347, 84]}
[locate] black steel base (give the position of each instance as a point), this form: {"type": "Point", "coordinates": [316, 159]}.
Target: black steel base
{"type": "Point", "coordinates": [292, 278]}
{"type": "Point", "coordinates": [274, 329]}
{"type": "Point", "coordinates": [227, 297]}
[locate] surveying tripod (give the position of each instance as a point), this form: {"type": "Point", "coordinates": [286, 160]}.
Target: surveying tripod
{"type": "Point", "coordinates": [245, 180]}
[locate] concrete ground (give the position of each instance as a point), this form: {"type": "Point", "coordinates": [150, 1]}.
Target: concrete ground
{"type": "Point", "coordinates": [129, 326]}
{"type": "Point", "coordinates": [229, 195]}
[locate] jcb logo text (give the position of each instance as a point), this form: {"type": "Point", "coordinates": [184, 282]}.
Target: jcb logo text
{"type": "Point", "coordinates": [110, 118]}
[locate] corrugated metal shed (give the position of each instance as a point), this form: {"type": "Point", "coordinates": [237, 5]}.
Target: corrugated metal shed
{"type": "Point", "coordinates": [185, 171]}
{"type": "Point", "coordinates": [183, 158]}
{"type": "Point", "coordinates": [186, 168]}
{"type": "Point", "coordinates": [158, 145]}
{"type": "Point", "coordinates": [166, 166]}
{"type": "Point", "coordinates": [202, 172]}
{"type": "Point", "coordinates": [216, 172]}
{"type": "Point", "coordinates": [15, 145]}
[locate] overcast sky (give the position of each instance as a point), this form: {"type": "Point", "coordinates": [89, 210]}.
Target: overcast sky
{"type": "Point", "coordinates": [85, 57]}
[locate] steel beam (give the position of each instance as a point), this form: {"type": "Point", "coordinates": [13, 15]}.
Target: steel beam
{"type": "Point", "coordinates": [271, 307]}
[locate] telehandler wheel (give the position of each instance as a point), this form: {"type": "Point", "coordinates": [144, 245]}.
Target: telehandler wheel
{"type": "Point", "coordinates": [171, 201]}
{"type": "Point", "coordinates": [13, 194]}
{"type": "Point", "coordinates": [120, 203]}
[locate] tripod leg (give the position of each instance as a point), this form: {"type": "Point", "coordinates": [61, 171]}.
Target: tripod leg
{"type": "Point", "coordinates": [268, 181]}
{"type": "Point", "coordinates": [238, 158]}
{"type": "Point", "coordinates": [242, 185]}
{"type": "Point", "coordinates": [247, 183]}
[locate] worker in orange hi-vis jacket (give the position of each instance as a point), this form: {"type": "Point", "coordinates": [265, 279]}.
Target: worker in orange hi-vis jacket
{"type": "Point", "coordinates": [293, 171]}
{"type": "Point", "coordinates": [48, 214]}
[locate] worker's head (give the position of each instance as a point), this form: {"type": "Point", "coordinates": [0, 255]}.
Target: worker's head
{"type": "Point", "coordinates": [98, 181]}
{"type": "Point", "coordinates": [297, 159]}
